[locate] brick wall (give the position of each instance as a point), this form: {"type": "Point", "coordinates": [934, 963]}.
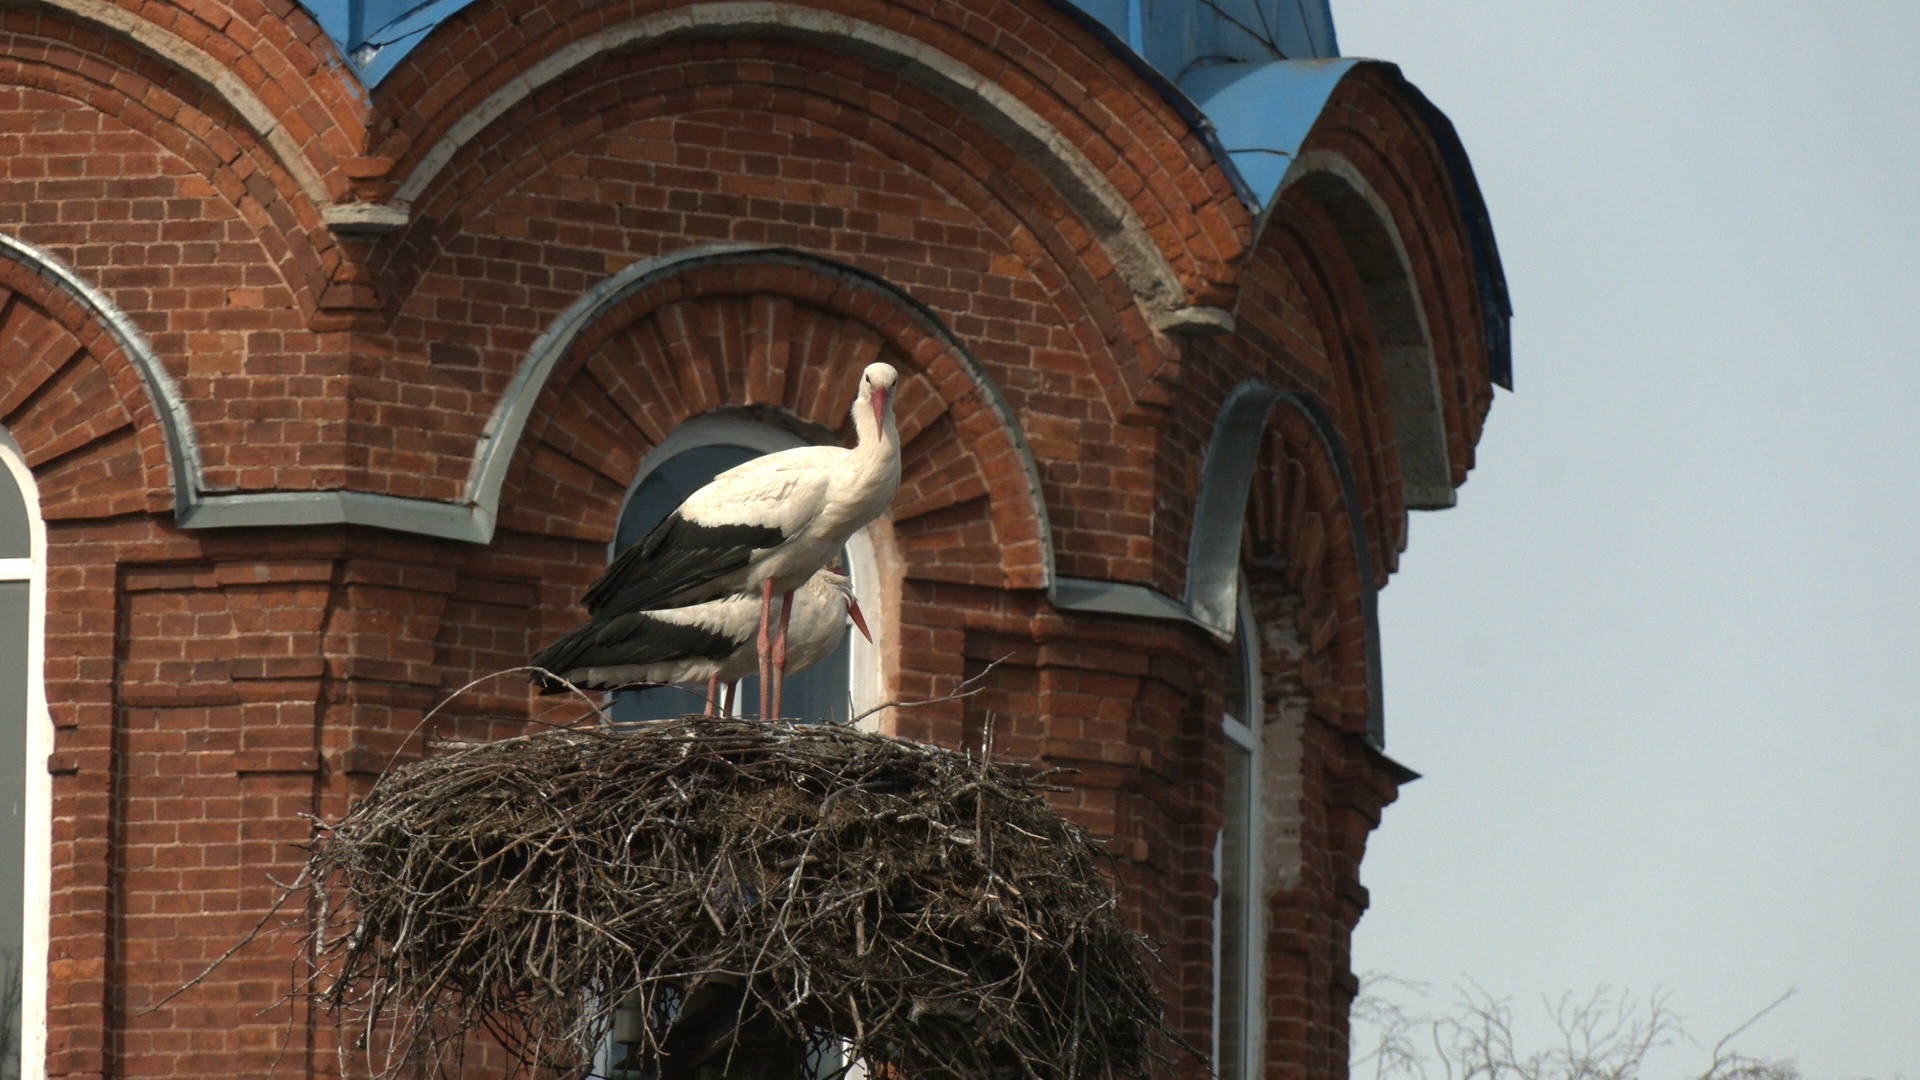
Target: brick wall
{"type": "Point", "coordinates": [210, 688]}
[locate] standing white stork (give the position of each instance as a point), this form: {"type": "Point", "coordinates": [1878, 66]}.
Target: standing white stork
{"type": "Point", "coordinates": [713, 641]}
{"type": "Point", "coordinates": [766, 525]}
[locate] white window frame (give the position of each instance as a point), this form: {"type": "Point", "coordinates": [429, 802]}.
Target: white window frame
{"type": "Point", "coordinates": [865, 680]}
{"type": "Point", "coordinates": [37, 876]}
{"type": "Point", "coordinates": [1245, 734]}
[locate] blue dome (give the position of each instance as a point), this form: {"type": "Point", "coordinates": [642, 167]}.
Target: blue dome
{"type": "Point", "coordinates": [1177, 37]}
{"type": "Point", "coordinates": [1180, 36]}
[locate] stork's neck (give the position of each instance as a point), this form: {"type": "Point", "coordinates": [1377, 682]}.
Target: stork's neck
{"type": "Point", "coordinates": [872, 440]}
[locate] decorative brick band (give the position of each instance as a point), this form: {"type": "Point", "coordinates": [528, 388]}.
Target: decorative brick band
{"type": "Point", "coordinates": [203, 68]}
{"type": "Point", "coordinates": [1398, 319]}
{"type": "Point", "coordinates": [1139, 260]}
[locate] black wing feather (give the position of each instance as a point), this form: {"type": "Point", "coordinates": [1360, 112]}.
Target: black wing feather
{"type": "Point", "coordinates": [668, 566]}
{"type": "Point", "coordinates": [634, 638]}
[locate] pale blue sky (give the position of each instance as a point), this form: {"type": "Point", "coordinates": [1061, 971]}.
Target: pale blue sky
{"type": "Point", "coordinates": [1660, 665]}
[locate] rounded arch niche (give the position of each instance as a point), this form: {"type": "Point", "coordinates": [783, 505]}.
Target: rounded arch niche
{"type": "Point", "coordinates": [776, 337]}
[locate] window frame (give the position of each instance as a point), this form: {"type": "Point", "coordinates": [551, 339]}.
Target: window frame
{"type": "Point", "coordinates": [37, 814]}
{"type": "Point", "coordinates": [1243, 733]}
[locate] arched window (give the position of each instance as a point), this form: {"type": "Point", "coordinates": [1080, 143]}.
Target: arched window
{"type": "Point", "coordinates": [1238, 937]}
{"type": "Point", "coordinates": [836, 688]}
{"type": "Point", "coordinates": [26, 736]}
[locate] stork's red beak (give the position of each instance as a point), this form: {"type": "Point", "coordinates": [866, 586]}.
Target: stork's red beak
{"type": "Point", "coordinates": [879, 406]}
{"type": "Point", "coordinates": [859, 620]}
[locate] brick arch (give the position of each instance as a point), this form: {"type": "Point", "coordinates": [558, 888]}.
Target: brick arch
{"type": "Point", "coordinates": [1300, 533]}
{"type": "Point", "coordinates": [782, 335]}
{"type": "Point", "coordinates": [1010, 207]}
{"type": "Point", "coordinates": [1047, 89]}
{"type": "Point", "coordinates": [1300, 258]}
{"type": "Point", "coordinates": [76, 402]}
{"type": "Point", "coordinates": [1396, 320]}
{"type": "Point", "coordinates": [1375, 166]}
{"type": "Point", "coordinates": [237, 75]}
{"type": "Point", "coordinates": [194, 124]}
{"type": "Point", "coordinates": [1312, 592]}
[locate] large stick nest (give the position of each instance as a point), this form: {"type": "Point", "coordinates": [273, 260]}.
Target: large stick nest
{"type": "Point", "coordinates": [926, 909]}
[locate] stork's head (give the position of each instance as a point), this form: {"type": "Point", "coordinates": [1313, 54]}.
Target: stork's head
{"type": "Point", "coordinates": [876, 393]}
{"type": "Point", "coordinates": [839, 585]}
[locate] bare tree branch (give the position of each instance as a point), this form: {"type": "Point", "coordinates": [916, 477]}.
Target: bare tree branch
{"type": "Point", "coordinates": [1605, 1035]}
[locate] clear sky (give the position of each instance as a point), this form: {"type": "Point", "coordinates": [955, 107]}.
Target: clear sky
{"type": "Point", "coordinates": [1661, 664]}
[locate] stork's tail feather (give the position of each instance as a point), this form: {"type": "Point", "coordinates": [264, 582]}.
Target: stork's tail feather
{"type": "Point", "coordinates": [551, 684]}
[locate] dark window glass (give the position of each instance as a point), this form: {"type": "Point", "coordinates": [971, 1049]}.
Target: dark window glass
{"type": "Point", "coordinates": [1235, 913]}
{"type": "Point", "coordinates": [15, 597]}
{"type": "Point", "coordinates": [15, 538]}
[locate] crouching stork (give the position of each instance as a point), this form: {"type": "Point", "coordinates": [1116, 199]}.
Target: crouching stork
{"type": "Point", "coordinates": [713, 641]}
{"type": "Point", "coordinates": [764, 526]}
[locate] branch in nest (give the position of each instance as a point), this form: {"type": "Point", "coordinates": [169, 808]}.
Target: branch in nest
{"type": "Point", "coordinates": [958, 695]}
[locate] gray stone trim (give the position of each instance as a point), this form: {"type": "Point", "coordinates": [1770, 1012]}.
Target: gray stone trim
{"type": "Point", "coordinates": [1195, 321]}
{"type": "Point", "coordinates": [367, 219]}
{"type": "Point", "coordinates": [176, 428]}
{"type": "Point", "coordinates": [280, 509]}
{"type": "Point", "coordinates": [1135, 255]}
{"type": "Point", "coordinates": [1226, 477]}
{"type": "Point", "coordinates": [1119, 598]}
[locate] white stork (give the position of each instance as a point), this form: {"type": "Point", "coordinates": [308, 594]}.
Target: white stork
{"type": "Point", "coordinates": [713, 641]}
{"type": "Point", "coordinates": [766, 525]}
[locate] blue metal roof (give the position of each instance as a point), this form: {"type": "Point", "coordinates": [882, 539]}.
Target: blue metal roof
{"type": "Point", "coordinates": [1176, 35]}
{"type": "Point", "coordinates": [375, 35]}
{"type": "Point", "coordinates": [1262, 112]}
{"type": "Point", "coordinates": [1173, 35]}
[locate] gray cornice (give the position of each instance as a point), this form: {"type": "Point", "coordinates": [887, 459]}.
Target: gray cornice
{"type": "Point", "coordinates": [271, 509]}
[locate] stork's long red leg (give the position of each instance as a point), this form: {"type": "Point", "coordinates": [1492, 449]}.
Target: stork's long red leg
{"type": "Point", "coordinates": [713, 693]}
{"type": "Point", "coordinates": [766, 650]}
{"type": "Point", "coordinates": [780, 650]}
